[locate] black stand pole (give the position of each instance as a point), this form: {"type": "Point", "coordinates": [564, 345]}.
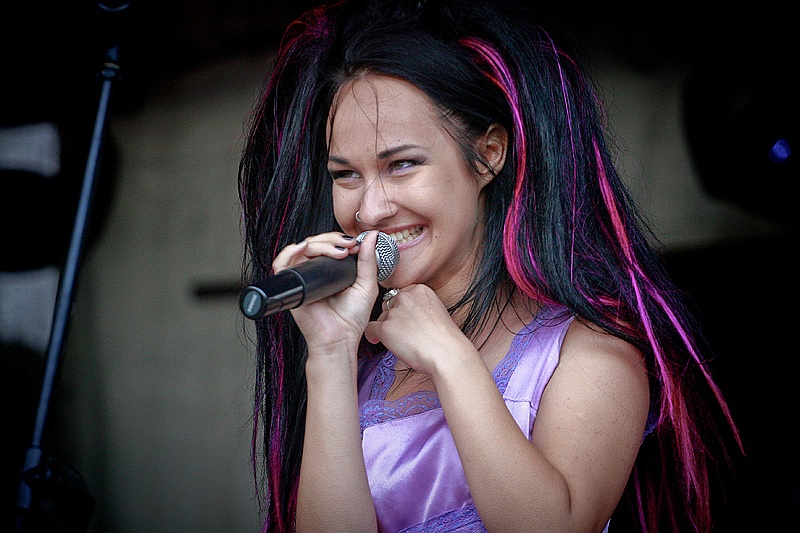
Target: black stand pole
{"type": "Point", "coordinates": [54, 497]}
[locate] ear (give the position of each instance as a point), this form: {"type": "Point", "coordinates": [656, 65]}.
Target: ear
{"type": "Point", "coordinates": [492, 146]}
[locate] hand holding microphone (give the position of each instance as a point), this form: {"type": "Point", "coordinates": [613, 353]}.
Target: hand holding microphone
{"type": "Point", "coordinates": [313, 280]}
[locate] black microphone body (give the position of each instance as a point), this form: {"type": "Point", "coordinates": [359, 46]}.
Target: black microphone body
{"type": "Point", "coordinates": [313, 280]}
{"type": "Point", "coordinates": [306, 283]}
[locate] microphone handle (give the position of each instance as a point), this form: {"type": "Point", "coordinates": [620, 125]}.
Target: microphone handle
{"type": "Point", "coordinates": [306, 283]}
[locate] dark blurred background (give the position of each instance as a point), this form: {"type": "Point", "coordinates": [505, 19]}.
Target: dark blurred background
{"type": "Point", "coordinates": [154, 397]}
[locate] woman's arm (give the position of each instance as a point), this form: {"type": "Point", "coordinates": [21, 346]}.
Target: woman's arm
{"type": "Point", "coordinates": [333, 492]}
{"type": "Point", "coordinates": [333, 479]}
{"type": "Point", "coordinates": [587, 432]}
{"type": "Point", "coordinates": [585, 439]}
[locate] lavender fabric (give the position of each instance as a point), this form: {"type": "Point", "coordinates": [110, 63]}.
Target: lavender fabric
{"type": "Point", "coordinates": [415, 474]}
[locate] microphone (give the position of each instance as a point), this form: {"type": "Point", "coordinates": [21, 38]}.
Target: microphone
{"type": "Point", "coordinates": [317, 278]}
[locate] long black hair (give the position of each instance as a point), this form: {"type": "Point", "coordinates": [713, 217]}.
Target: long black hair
{"type": "Point", "coordinates": [560, 226]}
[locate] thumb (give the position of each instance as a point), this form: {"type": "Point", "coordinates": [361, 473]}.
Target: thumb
{"type": "Point", "coordinates": [367, 272]}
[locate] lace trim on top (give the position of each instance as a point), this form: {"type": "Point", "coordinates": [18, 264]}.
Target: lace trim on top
{"type": "Point", "coordinates": [378, 409]}
{"type": "Point", "coordinates": [464, 519]}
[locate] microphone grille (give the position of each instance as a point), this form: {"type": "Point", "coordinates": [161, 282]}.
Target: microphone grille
{"type": "Point", "coordinates": [386, 253]}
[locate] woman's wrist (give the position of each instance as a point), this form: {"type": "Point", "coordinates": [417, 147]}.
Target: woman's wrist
{"type": "Point", "coordinates": [331, 359]}
{"type": "Point", "coordinates": [450, 363]}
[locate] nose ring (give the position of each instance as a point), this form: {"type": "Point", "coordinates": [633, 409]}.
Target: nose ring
{"type": "Point", "coordinates": [358, 219]}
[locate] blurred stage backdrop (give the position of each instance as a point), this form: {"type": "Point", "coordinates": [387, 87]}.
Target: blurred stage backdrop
{"type": "Point", "coordinates": [152, 404]}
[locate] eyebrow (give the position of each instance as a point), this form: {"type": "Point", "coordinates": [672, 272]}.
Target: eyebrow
{"type": "Point", "coordinates": [389, 152]}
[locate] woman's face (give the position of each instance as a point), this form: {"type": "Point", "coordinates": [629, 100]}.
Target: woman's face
{"type": "Point", "coordinates": [394, 163]}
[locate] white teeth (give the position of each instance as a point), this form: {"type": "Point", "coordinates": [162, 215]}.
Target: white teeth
{"type": "Point", "coordinates": [406, 235]}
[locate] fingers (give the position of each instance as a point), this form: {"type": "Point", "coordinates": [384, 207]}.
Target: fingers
{"type": "Point", "coordinates": [284, 258]}
{"type": "Point", "coordinates": [374, 328]}
{"type": "Point", "coordinates": [333, 244]}
{"type": "Point", "coordinates": [416, 326]}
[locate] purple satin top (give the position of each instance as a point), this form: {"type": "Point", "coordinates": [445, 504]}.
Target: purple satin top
{"type": "Point", "coordinates": [415, 474]}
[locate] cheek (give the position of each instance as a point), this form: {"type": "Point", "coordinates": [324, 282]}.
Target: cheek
{"type": "Point", "coordinates": [338, 211]}
{"type": "Point", "coordinates": [460, 200]}
{"type": "Point", "coordinates": [343, 207]}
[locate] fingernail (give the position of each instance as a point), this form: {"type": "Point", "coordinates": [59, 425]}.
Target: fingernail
{"type": "Point", "coordinates": [340, 248]}
{"type": "Point", "coordinates": [347, 237]}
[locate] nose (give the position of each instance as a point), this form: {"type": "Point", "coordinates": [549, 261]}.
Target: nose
{"type": "Point", "coordinates": [376, 204]}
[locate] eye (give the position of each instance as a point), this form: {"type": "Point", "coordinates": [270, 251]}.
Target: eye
{"type": "Point", "coordinates": [345, 178]}
{"type": "Point", "coordinates": [402, 164]}
{"type": "Point", "coordinates": [342, 174]}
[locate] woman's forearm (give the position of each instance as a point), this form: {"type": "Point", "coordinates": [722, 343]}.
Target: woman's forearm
{"type": "Point", "coordinates": [333, 494]}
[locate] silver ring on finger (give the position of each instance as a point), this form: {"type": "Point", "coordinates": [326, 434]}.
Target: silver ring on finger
{"type": "Point", "coordinates": [389, 295]}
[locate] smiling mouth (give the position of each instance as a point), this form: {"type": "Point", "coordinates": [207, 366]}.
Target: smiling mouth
{"type": "Point", "coordinates": [406, 235]}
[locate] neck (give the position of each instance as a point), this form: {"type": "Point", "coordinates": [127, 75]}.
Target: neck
{"type": "Point", "coordinates": [510, 312]}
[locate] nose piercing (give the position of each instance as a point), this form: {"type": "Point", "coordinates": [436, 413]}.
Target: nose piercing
{"type": "Point", "coordinates": [357, 212]}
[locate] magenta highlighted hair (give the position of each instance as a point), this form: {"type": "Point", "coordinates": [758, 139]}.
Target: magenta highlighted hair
{"type": "Point", "coordinates": [500, 74]}
{"type": "Point", "coordinates": [673, 401]}
{"type": "Point", "coordinates": [524, 267]}
{"type": "Point", "coordinates": [271, 172]}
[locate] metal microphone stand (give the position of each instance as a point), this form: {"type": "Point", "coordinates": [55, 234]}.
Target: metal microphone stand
{"type": "Point", "coordinates": [52, 496]}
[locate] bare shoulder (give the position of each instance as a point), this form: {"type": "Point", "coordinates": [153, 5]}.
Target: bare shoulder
{"type": "Point", "coordinates": [600, 378]}
{"type": "Point", "coordinates": [592, 416]}
{"type": "Point", "coordinates": [608, 359]}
